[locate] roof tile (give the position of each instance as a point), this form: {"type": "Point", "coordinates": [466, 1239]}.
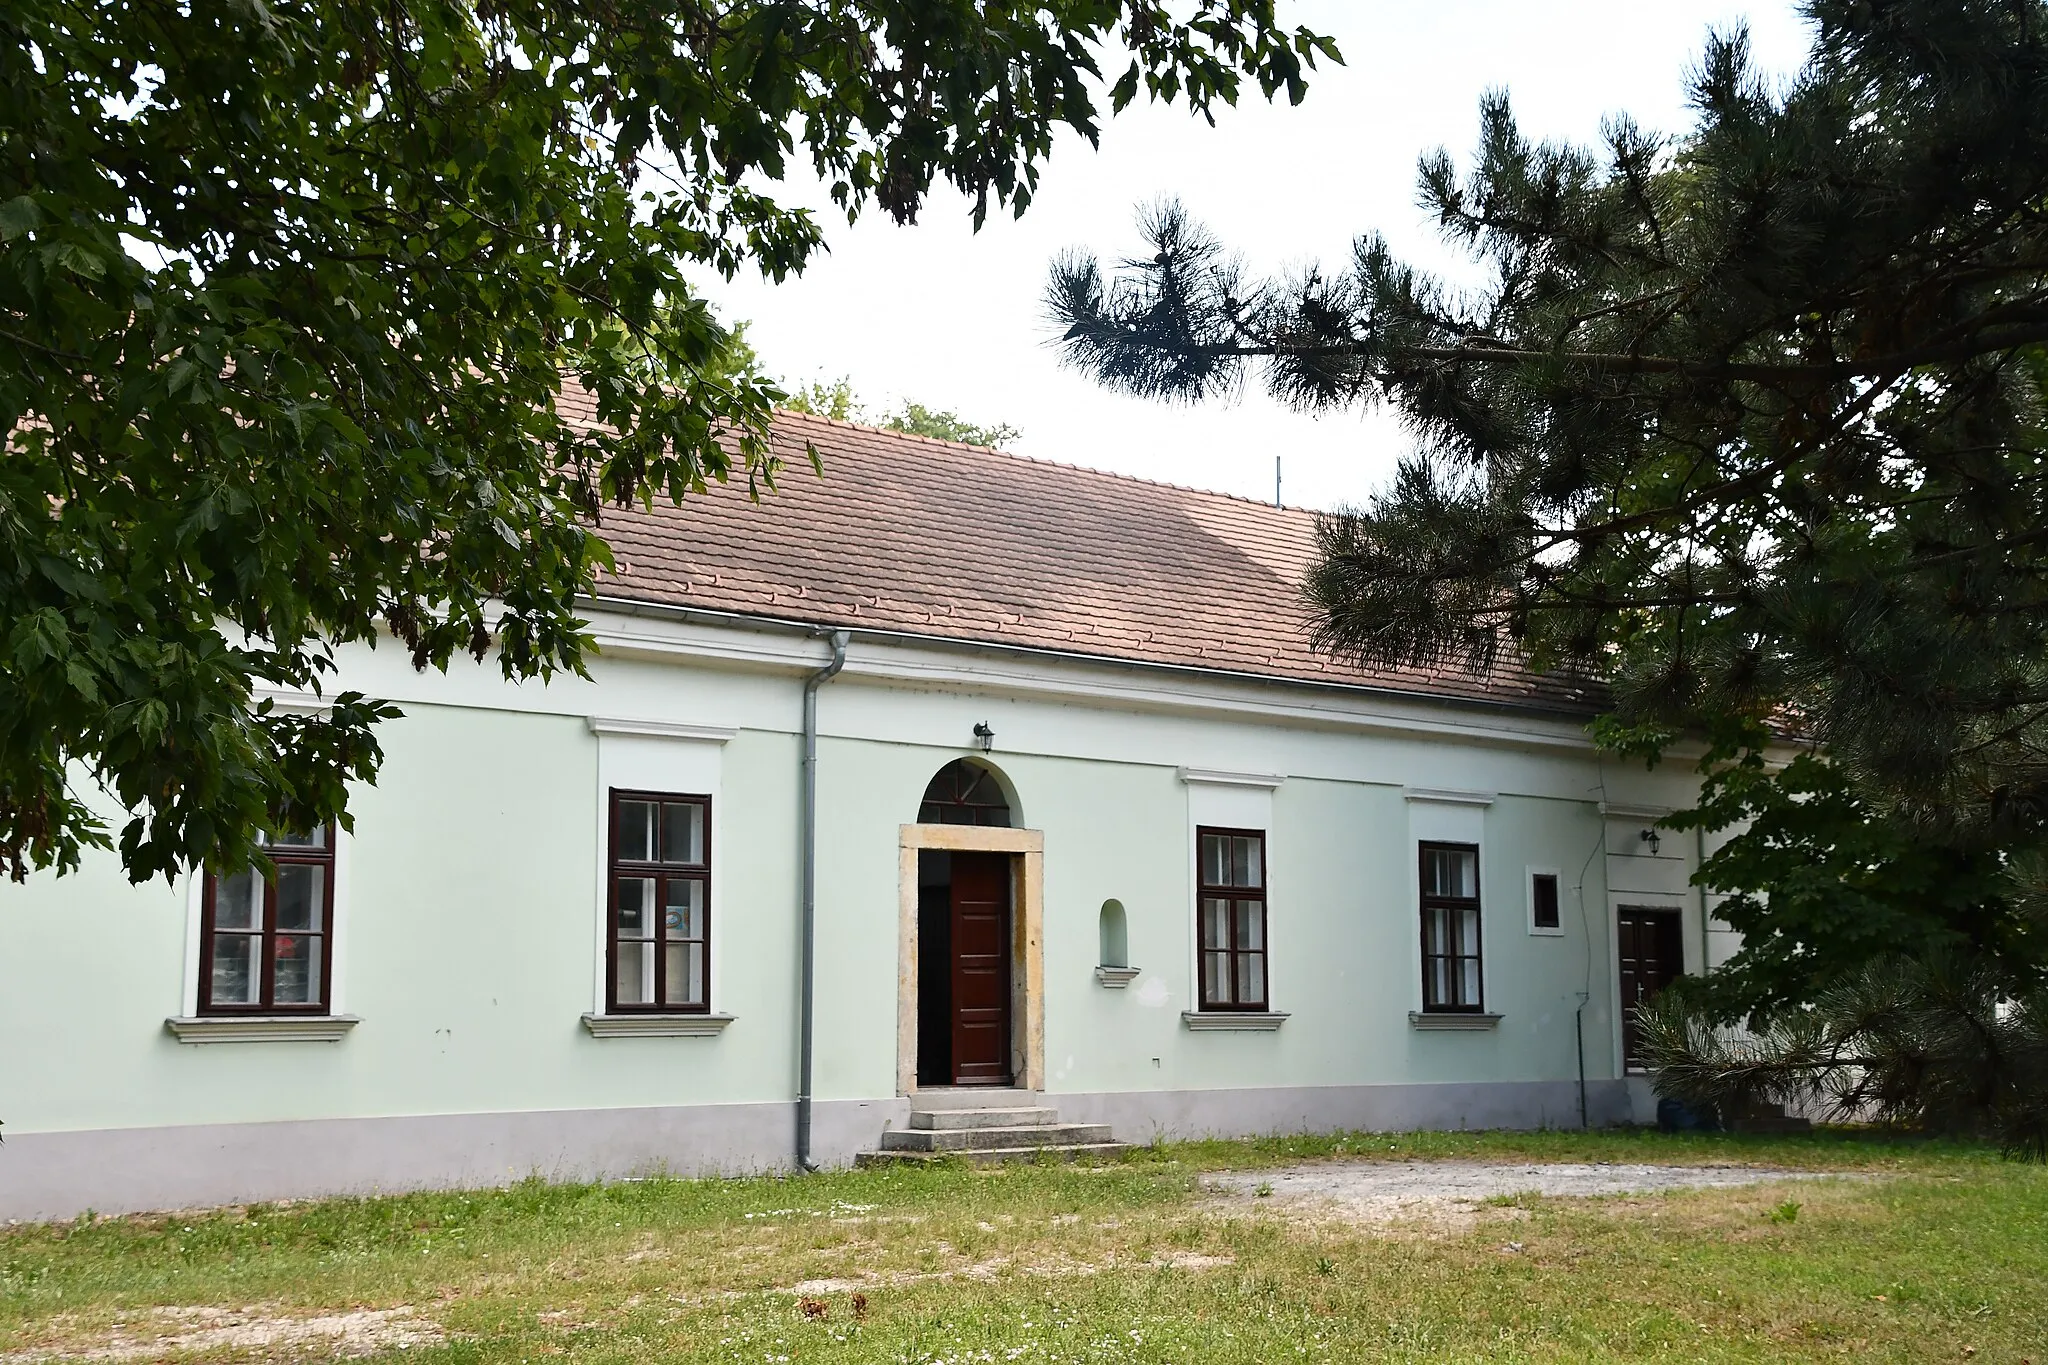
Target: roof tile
{"type": "Point", "coordinates": [958, 542]}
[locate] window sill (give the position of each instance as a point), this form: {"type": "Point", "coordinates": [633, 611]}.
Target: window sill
{"type": "Point", "coordinates": [1455, 1023]}
{"type": "Point", "coordinates": [656, 1025]}
{"type": "Point", "coordinates": [1116, 978]}
{"type": "Point", "coordinates": [267, 1028]}
{"type": "Point", "coordinates": [1232, 1021]}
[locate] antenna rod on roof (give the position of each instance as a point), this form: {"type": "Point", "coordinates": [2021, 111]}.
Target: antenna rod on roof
{"type": "Point", "coordinates": [1276, 480]}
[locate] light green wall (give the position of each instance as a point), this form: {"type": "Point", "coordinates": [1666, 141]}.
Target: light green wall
{"type": "Point", "coordinates": [469, 936]}
{"type": "Point", "coordinates": [466, 948]}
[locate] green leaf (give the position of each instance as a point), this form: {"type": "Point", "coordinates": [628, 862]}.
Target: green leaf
{"type": "Point", "coordinates": [19, 216]}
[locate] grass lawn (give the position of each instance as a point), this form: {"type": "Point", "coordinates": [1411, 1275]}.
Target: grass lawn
{"type": "Point", "coordinates": [1942, 1256]}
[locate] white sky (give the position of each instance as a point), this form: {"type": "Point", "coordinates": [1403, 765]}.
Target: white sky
{"type": "Point", "coordinates": [952, 318]}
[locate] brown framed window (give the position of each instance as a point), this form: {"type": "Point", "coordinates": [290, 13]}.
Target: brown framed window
{"type": "Point", "coordinates": [1452, 976]}
{"type": "Point", "coordinates": [658, 941]}
{"type": "Point", "coordinates": [1230, 875]}
{"type": "Point", "coordinates": [267, 943]}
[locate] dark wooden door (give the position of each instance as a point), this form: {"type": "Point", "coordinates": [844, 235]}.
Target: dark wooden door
{"type": "Point", "coordinates": [1652, 957]}
{"type": "Point", "coordinates": [981, 968]}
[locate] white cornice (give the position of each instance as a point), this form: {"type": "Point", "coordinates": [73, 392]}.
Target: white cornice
{"type": "Point", "coordinates": [659, 729]}
{"type": "Point", "coordinates": [1447, 796]}
{"type": "Point", "coordinates": [626, 629]}
{"type": "Point", "coordinates": [1622, 810]}
{"type": "Point", "coordinates": [1212, 777]}
{"type": "Point", "coordinates": [299, 703]}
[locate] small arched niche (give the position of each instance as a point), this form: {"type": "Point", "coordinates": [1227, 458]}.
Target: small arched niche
{"type": "Point", "coordinates": [1115, 935]}
{"type": "Point", "coordinates": [966, 792]}
{"type": "Point", "coordinates": [1113, 961]}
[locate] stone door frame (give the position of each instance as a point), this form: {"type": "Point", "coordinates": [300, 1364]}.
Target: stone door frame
{"type": "Point", "coordinates": [1027, 942]}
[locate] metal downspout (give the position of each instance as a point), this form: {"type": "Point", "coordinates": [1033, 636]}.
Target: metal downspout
{"type": "Point", "coordinates": [810, 898]}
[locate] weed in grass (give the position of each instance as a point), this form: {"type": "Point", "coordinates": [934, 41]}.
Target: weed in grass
{"type": "Point", "coordinates": [1787, 1212]}
{"type": "Point", "coordinates": [1265, 1189]}
{"type": "Point", "coordinates": [1518, 1199]}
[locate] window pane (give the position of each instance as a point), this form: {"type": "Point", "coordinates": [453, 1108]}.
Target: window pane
{"type": "Point", "coordinates": [1436, 930]}
{"type": "Point", "coordinates": [1215, 860]}
{"type": "Point", "coordinates": [1450, 872]}
{"type": "Point", "coordinates": [1545, 901]}
{"type": "Point", "coordinates": [301, 897]}
{"type": "Point", "coordinates": [238, 902]}
{"type": "Point", "coordinates": [1251, 978]}
{"type": "Point", "coordinates": [315, 839]}
{"type": "Point", "coordinates": [297, 970]}
{"type": "Point", "coordinates": [1468, 981]}
{"type": "Point", "coordinates": [682, 833]}
{"type": "Point", "coordinates": [235, 977]}
{"type": "Point", "coordinates": [683, 914]}
{"type": "Point", "coordinates": [1216, 978]}
{"type": "Point", "coordinates": [636, 831]}
{"type": "Point", "coordinates": [685, 974]}
{"type": "Point", "coordinates": [636, 907]}
{"type": "Point", "coordinates": [636, 973]}
{"type": "Point", "coordinates": [1438, 979]}
{"type": "Point", "coordinates": [1468, 933]}
{"type": "Point", "coordinates": [1251, 924]}
{"type": "Point", "coordinates": [1247, 863]}
{"type": "Point", "coordinates": [1215, 923]}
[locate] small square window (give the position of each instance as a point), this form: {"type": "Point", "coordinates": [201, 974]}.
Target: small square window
{"type": "Point", "coordinates": [1543, 902]}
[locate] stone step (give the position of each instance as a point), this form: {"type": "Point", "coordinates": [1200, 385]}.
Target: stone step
{"type": "Point", "coordinates": [991, 1156]}
{"type": "Point", "coordinates": [987, 1139]}
{"type": "Point", "coordinates": [983, 1118]}
{"type": "Point", "coordinates": [973, 1097]}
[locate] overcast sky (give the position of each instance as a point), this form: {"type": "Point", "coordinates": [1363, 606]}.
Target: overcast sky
{"type": "Point", "coordinates": [952, 318]}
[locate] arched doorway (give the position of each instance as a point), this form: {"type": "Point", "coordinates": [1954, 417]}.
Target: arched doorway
{"type": "Point", "coordinates": [965, 931]}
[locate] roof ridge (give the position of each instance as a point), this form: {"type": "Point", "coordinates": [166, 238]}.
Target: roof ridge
{"type": "Point", "coordinates": [892, 434]}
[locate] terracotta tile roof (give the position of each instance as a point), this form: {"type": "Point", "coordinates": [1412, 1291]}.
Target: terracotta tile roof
{"type": "Point", "coordinates": [925, 537]}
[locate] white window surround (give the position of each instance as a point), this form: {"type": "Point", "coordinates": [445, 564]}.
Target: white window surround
{"type": "Point", "coordinates": [1439, 815]}
{"type": "Point", "coordinates": [635, 754]}
{"type": "Point", "coordinates": [1231, 800]}
{"type": "Point", "coordinates": [1529, 876]}
{"type": "Point", "coordinates": [190, 1026]}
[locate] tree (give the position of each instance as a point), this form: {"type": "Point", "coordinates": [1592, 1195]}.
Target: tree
{"type": "Point", "coordinates": [1820, 883]}
{"type": "Point", "coordinates": [1748, 423]}
{"type": "Point", "coordinates": [838, 401]}
{"type": "Point", "coordinates": [288, 292]}
{"type": "Point", "coordinates": [1931, 1043]}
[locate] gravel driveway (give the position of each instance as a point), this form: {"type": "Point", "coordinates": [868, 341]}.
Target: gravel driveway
{"type": "Point", "coordinates": [1380, 1190]}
